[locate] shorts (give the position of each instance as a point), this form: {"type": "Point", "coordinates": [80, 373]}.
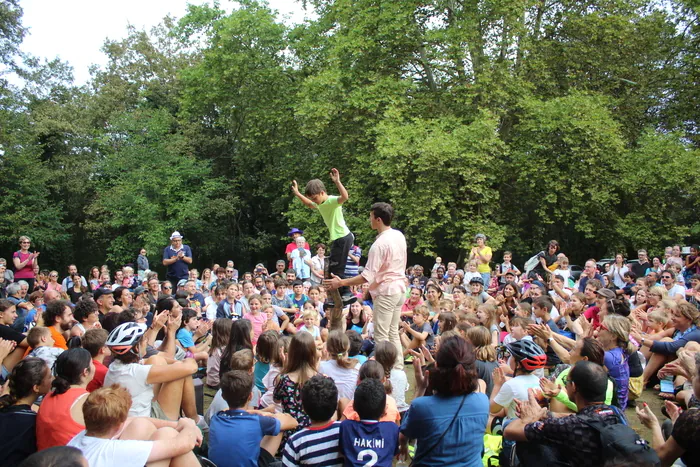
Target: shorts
{"type": "Point", "coordinates": [157, 412]}
{"type": "Point", "coordinates": [265, 458]}
{"type": "Point", "coordinates": [635, 387]}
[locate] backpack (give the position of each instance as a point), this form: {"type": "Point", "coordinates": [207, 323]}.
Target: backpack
{"type": "Point", "coordinates": [619, 441]}
{"type": "Point", "coordinates": [532, 263]}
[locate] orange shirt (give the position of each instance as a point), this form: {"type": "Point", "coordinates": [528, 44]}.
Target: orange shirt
{"type": "Point", "coordinates": [60, 341]}
{"type": "Point", "coordinates": [391, 412]}
{"type": "Point", "coordinates": [54, 424]}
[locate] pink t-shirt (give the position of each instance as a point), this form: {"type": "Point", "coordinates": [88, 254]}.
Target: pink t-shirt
{"type": "Point", "coordinates": [27, 272]}
{"type": "Point", "coordinates": [258, 320]}
{"type": "Point", "coordinates": [386, 264]}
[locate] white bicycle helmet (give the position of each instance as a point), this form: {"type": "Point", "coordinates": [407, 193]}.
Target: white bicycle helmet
{"type": "Point", "coordinates": [125, 336]}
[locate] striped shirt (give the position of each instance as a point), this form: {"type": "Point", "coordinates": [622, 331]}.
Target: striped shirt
{"type": "Point", "coordinates": [314, 446]}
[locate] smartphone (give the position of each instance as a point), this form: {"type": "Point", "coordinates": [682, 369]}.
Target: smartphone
{"type": "Point", "coordinates": [666, 385]}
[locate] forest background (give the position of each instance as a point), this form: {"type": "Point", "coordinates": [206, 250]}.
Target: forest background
{"type": "Point", "coordinates": [527, 120]}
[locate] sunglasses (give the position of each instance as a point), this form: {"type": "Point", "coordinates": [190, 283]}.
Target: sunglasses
{"type": "Point", "coordinates": [25, 243]}
{"type": "Point", "coordinates": [666, 277]}
{"type": "Point", "coordinates": [167, 288]}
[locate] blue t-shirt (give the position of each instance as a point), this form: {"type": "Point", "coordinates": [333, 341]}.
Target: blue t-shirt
{"type": "Point", "coordinates": [427, 419]}
{"type": "Point", "coordinates": [185, 338]}
{"type": "Point", "coordinates": [260, 371]}
{"type": "Point", "coordinates": [179, 268]}
{"type": "Point", "coordinates": [235, 436]}
{"type": "Point", "coordinates": [369, 443]}
{"type": "Point", "coordinates": [299, 303]}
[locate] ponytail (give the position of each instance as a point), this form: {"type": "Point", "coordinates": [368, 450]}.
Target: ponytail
{"type": "Point", "coordinates": [26, 374]}
{"type": "Point", "coordinates": [69, 369]}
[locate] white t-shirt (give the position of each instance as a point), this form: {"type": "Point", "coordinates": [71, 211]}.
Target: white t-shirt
{"type": "Point", "coordinates": [677, 290]}
{"type": "Point", "coordinates": [617, 274]}
{"type": "Point", "coordinates": [112, 452]}
{"type": "Point", "coordinates": [565, 273]}
{"type": "Point", "coordinates": [515, 388]}
{"type": "Point", "coordinates": [469, 276]}
{"type": "Point", "coordinates": [315, 332]}
{"type": "Point", "coordinates": [219, 404]}
{"type": "Point", "coordinates": [133, 377]}
{"type": "Point", "coordinates": [269, 382]}
{"type": "Point", "coordinates": [211, 308]}
{"type": "Point", "coordinates": [399, 386]}
{"type": "Point", "coordinates": [345, 378]}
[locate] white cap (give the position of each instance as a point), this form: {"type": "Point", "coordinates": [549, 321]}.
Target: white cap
{"type": "Point", "coordinates": [175, 235]}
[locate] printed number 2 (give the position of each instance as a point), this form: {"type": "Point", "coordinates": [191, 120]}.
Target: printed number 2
{"type": "Point", "coordinates": [372, 457]}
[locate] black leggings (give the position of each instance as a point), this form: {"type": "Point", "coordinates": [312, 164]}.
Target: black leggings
{"type": "Point", "coordinates": [339, 257]}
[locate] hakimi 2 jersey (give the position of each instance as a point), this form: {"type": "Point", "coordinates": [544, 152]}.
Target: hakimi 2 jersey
{"type": "Point", "coordinates": [369, 443]}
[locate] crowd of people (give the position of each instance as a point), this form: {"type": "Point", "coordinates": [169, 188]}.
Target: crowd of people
{"type": "Point", "coordinates": [512, 366]}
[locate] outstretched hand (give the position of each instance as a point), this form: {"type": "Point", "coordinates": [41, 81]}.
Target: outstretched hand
{"type": "Point", "coordinates": [295, 187]}
{"type": "Point", "coordinates": [646, 416]}
{"type": "Point", "coordinates": [335, 175]}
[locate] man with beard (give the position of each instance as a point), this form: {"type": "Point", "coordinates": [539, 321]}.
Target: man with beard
{"type": "Point", "coordinates": [58, 317]}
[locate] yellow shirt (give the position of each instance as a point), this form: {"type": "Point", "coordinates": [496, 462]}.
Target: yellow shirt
{"type": "Point", "coordinates": [484, 267]}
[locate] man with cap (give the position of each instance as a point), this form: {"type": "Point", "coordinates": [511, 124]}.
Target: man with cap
{"type": "Point", "coordinates": [294, 233]}
{"type": "Point", "coordinates": [105, 300]}
{"type": "Point", "coordinates": [176, 258]}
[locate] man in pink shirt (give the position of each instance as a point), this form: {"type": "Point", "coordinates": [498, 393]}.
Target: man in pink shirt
{"type": "Point", "coordinates": [385, 273]}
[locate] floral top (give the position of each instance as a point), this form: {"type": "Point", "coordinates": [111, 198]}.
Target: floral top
{"type": "Point", "coordinates": [288, 395]}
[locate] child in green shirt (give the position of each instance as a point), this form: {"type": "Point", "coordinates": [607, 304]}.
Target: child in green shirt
{"type": "Point", "coordinates": [330, 208]}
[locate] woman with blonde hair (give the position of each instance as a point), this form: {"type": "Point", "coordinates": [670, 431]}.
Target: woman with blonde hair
{"type": "Point", "coordinates": [685, 319]}
{"type": "Point", "coordinates": [614, 337]}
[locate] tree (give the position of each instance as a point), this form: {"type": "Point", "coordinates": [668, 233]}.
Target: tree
{"type": "Point", "coordinates": [148, 184]}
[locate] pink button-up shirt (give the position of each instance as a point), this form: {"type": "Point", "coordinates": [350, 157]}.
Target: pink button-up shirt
{"type": "Point", "coordinates": [385, 270]}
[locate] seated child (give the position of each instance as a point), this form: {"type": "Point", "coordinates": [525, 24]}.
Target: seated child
{"type": "Point", "coordinates": [374, 369]}
{"type": "Point", "coordinates": [309, 318]}
{"type": "Point", "coordinates": [518, 330]}
{"type": "Point", "coordinates": [243, 360]}
{"type": "Point", "coordinates": [656, 321]}
{"type": "Point", "coordinates": [265, 350]}
{"type": "Point", "coordinates": [40, 340]}
{"type": "Point", "coordinates": [188, 332]}
{"type": "Point", "coordinates": [369, 440]}
{"type": "Point", "coordinates": [355, 346]}
{"type": "Point", "coordinates": [95, 342]}
{"type": "Point", "coordinates": [110, 439]}
{"type": "Point", "coordinates": [257, 437]}
{"type": "Point", "coordinates": [317, 444]}
{"type": "Point", "coordinates": [419, 333]}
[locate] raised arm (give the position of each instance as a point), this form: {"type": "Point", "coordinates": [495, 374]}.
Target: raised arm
{"type": "Point", "coordinates": [335, 176]}
{"type": "Point", "coordinates": [307, 202]}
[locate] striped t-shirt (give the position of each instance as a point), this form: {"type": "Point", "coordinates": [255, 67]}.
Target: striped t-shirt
{"type": "Point", "coordinates": [314, 446]}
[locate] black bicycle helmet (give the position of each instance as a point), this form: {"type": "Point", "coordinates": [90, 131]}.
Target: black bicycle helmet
{"type": "Point", "coordinates": [530, 355]}
{"type": "Point", "coordinates": [476, 280]}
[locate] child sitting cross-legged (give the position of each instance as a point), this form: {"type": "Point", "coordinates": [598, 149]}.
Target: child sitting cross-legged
{"type": "Point", "coordinates": [369, 441]}
{"type": "Point", "coordinates": [317, 444]}
{"type": "Point", "coordinates": [257, 435]}
{"type": "Point", "coordinates": [112, 439]}
{"type": "Point", "coordinates": [190, 330]}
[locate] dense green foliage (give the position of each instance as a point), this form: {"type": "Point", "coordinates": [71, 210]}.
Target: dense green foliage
{"type": "Point", "coordinates": [523, 119]}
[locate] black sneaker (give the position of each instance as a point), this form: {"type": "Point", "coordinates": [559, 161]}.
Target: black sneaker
{"type": "Point", "coordinates": [348, 299]}
{"type": "Point", "coordinates": [329, 304]}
